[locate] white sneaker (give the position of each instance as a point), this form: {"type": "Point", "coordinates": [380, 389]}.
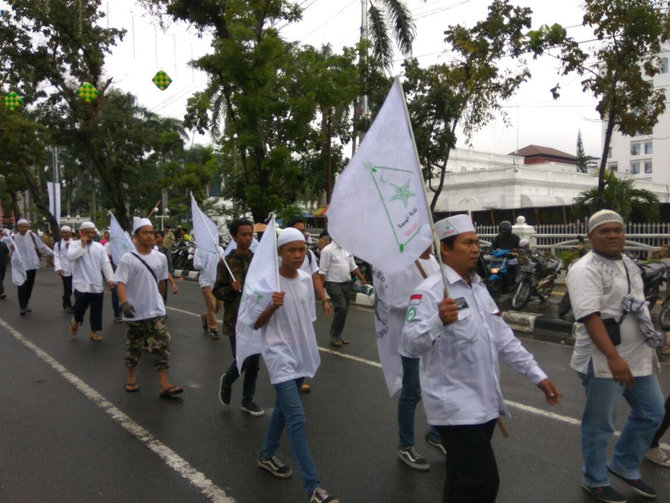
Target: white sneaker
{"type": "Point", "coordinates": [658, 456]}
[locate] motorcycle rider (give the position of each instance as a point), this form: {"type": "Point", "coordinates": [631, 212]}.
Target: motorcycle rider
{"type": "Point", "coordinates": [507, 240]}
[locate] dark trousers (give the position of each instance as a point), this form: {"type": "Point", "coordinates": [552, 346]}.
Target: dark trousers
{"type": "Point", "coordinates": [82, 301]}
{"type": "Point", "coordinates": [339, 294]}
{"type": "Point", "coordinates": [67, 291]}
{"type": "Point", "coordinates": [472, 472]}
{"type": "Point", "coordinates": [664, 425]}
{"type": "Point", "coordinates": [26, 289]}
{"type": "Point", "coordinates": [3, 270]}
{"type": "Point", "coordinates": [115, 303]}
{"type": "Point", "coordinates": [250, 369]}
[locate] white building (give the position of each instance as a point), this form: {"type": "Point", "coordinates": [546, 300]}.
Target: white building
{"type": "Point", "coordinates": [645, 158]}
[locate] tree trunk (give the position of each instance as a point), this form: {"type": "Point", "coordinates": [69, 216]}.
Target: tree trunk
{"type": "Point", "coordinates": [443, 170]}
{"type": "Point", "coordinates": [603, 159]}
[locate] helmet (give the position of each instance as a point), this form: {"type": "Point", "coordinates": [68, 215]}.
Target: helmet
{"type": "Point", "coordinates": [505, 227]}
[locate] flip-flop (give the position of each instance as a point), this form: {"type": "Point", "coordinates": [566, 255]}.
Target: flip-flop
{"type": "Point", "coordinates": [336, 343]}
{"type": "Point", "coordinates": [74, 326]}
{"type": "Point", "coordinates": [96, 337]}
{"type": "Point", "coordinates": [172, 390]}
{"type": "Point", "coordinates": [131, 387]}
{"type": "Point", "coordinates": [345, 341]}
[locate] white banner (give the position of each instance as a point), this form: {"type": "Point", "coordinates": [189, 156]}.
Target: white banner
{"type": "Point", "coordinates": [207, 241]}
{"type": "Point", "coordinates": [121, 242]}
{"type": "Point", "coordinates": [18, 267]}
{"type": "Point", "coordinates": [54, 199]}
{"type": "Point", "coordinates": [378, 206]}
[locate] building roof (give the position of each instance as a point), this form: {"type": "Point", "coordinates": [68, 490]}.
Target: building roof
{"type": "Point", "coordinates": [539, 151]}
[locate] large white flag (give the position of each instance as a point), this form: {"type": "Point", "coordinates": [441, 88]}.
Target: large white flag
{"type": "Point", "coordinates": [207, 241]}
{"type": "Point", "coordinates": [378, 204]}
{"type": "Point", "coordinates": [121, 242]}
{"type": "Point", "coordinates": [260, 282]}
{"type": "Point", "coordinates": [54, 199]}
{"type": "Point", "coordinates": [18, 267]}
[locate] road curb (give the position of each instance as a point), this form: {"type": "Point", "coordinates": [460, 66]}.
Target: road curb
{"type": "Point", "coordinates": [541, 327]}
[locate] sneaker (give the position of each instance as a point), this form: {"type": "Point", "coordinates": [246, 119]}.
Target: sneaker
{"type": "Point", "coordinates": [250, 407]}
{"type": "Point", "coordinates": [305, 388]}
{"type": "Point", "coordinates": [638, 485]}
{"type": "Point", "coordinates": [604, 493]}
{"type": "Point", "coordinates": [321, 496]}
{"type": "Point", "coordinates": [275, 467]}
{"type": "Point", "coordinates": [435, 441]}
{"type": "Point", "coordinates": [225, 390]}
{"type": "Point", "coordinates": [658, 456]}
{"type": "Point", "coordinates": [213, 334]}
{"type": "Point", "coordinates": [413, 459]}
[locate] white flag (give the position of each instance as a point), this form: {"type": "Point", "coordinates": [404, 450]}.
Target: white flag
{"type": "Point", "coordinates": [119, 239]}
{"type": "Point", "coordinates": [18, 267]}
{"type": "Point", "coordinates": [259, 284]}
{"type": "Point", "coordinates": [382, 186]}
{"type": "Point", "coordinates": [54, 199]}
{"type": "Point", "coordinates": [207, 241]}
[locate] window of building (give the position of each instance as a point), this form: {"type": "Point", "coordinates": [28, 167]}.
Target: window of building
{"type": "Point", "coordinates": [648, 166]}
{"type": "Point", "coordinates": [635, 167]}
{"type": "Point", "coordinates": [609, 153]}
{"type": "Point", "coordinates": [613, 167]}
{"type": "Point", "coordinates": [635, 148]}
{"type": "Point", "coordinates": [648, 148]}
{"type": "Point", "coordinates": [664, 65]}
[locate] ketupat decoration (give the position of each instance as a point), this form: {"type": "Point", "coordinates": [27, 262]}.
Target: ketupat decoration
{"type": "Point", "coordinates": [88, 92]}
{"type": "Point", "coordinates": [162, 80]}
{"type": "Point", "coordinates": [13, 101]}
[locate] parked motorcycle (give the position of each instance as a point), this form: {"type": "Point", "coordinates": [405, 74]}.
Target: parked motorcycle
{"type": "Point", "coordinates": [500, 274]}
{"type": "Point", "coordinates": [537, 276]}
{"type": "Point", "coordinates": [182, 255]}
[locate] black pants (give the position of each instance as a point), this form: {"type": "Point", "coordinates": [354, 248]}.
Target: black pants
{"type": "Point", "coordinates": [339, 294]}
{"type": "Point", "coordinates": [67, 291]}
{"type": "Point", "coordinates": [26, 289]}
{"type": "Point", "coordinates": [664, 425]}
{"type": "Point", "coordinates": [82, 301]}
{"type": "Point", "coordinates": [3, 270]}
{"type": "Point", "coordinates": [472, 472]}
{"type": "Point", "coordinates": [250, 369]}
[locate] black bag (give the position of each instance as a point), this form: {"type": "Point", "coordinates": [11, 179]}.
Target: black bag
{"type": "Point", "coordinates": [613, 330]}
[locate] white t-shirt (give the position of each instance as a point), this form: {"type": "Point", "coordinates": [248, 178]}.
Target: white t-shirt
{"type": "Point", "coordinates": [288, 341]}
{"type": "Point", "coordinates": [337, 264]}
{"type": "Point", "coordinates": [310, 266]}
{"type": "Point", "coordinates": [596, 285]}
{"type": "Point", "coordinates": [141, 287]}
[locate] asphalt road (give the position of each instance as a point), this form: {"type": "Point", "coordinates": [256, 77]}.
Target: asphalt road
{"type": "Point", "coordinates": [69, 432]}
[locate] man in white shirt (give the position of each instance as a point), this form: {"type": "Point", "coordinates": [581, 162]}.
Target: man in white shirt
{"type": "Point", "coordinates": [460, 337]}
{"type": "Point", "coordinates": [28, 245]}
{"type": "Point", "coordinates": [62, 265]}
{"type": "Point", "coordinates": [89, 264]}
{"type": "Point", "coordinates": [337, 266]}
{"type": "Point", "coordinates": [613, 361]}
{"type": "Point", "coordinates": [141, 277]}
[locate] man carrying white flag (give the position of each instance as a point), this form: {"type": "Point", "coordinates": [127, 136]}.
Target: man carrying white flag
{"type": "Point", "coordinates": [383, 184]}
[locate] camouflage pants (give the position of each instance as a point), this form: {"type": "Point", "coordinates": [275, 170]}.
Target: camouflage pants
{"type": "Point", "coordinates": [155, 332]}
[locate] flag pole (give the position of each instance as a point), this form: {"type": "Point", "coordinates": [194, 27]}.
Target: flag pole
{"type": "Point", "coordinates": [436, 242]}
{"type": "Point", "coordinates": [274, 236]}
{"type": "Point", "coordinates": [216, 241]}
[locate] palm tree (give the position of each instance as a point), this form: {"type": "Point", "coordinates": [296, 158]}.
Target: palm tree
{"type": "Point", "coordinates": [619, 195]}
{"type": "Point", "coordinates": [381, 13]}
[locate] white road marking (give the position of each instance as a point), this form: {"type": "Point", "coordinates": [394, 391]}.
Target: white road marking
{"type": "Point", "coordinates": [170, 457]}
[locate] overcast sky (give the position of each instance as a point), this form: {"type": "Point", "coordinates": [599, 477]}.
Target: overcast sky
{"type": "Point", "coordinates": [533, 116]}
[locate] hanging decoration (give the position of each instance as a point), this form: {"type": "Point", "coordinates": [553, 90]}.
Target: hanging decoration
{"type": "Point", "coordinates": [88, 92]}
{"type": "Point", "coordinates": [13, 101]}
{"type": "Point", "coordinates": [162, 80]}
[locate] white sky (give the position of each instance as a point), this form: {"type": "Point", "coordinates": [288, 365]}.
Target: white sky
{"type": "Point", "coordinates": [533, 116]}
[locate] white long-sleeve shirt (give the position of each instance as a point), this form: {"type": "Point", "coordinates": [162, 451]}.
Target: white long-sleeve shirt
{"type": "Point", "coordinates": [26, 245]}
{"type": "Point", "coordinates": [89, 264]}
{"type": "Point", "coordinates": [336, 264]}
{"type": "Point", "coordinates": [61, 262]}
{"type": "Point", "coordinates": [460, 371]}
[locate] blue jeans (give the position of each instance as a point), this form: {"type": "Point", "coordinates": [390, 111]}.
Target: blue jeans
{"type": "Point", "coordinates": [603, 396]}
{"type": "Point", "coordinates": [289, 411]}
{"type": "Point", "coordinates": [410, 395]}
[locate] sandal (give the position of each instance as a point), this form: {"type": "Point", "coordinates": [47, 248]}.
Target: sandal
{"type": "Point", "coordinates": [172, 390]}
{"type": "Point", "coordinates": [345, 341]}
{"type": "Point", "coordinates": [74, 326]}
{"type": "Point", "coordinates": [95, 337]}
{"type": "Point", "coordinates": [336, 343]}
{"type": "Point", "coordinates": [131, 387]}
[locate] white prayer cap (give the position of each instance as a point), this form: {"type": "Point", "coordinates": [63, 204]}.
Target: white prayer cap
{"type": "Point", "coordinates": [141, 222]}
{"type": "Point", "coordinates": [523, 243]}
{"type": "Point", "coordinates": [288, 235]}
{"type": "Point", "coordinates": [604, 217]}
{"type": "Point", "coordinates": [22, 221]}
{"type": "Point", "coordinates": [66, 228]}
{"type": "Point", "coordinates": [86, 225]}
{"type": "Point", "coordinates": [453, 226]}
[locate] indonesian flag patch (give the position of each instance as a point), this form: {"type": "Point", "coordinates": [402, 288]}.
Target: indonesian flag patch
{"type": "Point", "coordinates": [415, 299]}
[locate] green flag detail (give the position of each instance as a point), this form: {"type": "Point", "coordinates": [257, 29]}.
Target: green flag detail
{"type": "Point", "coordinates": [13, 101]}
{"type": "Point", "coordinates": [161, 80]}
{"type": "Point", "coordinates": [88, 92]}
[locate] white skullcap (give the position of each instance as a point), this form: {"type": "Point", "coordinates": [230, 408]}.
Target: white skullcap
{"type": "Point", "coordinates": [86, 225]}
{"type": "Point", "coordinates": [452, 226]}
{"type": "Point", "coordinates": [141, 222]}
{"type": "Point", "coordinates": [22, 221]}
{"type": "Point", "coordinates": [604, 217]}
{"type": "Point", "coordinates": [288, 235]}
{"type": "Point", "coordinates": [524, 242]}
{"type": "Point", "coordinates": [66, 228]}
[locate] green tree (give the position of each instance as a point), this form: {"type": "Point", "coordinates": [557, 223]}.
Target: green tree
{"type": "Point", "coordinates": [619, 69]}
{"type": "Point", "coordinates": [388, 20]}
{"type": "Point", "coordinates": [621, 196]}
{"type": "Point", "coordinates": [582, 158]}
{"type": "Point", "coordinates": [467, 92]}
